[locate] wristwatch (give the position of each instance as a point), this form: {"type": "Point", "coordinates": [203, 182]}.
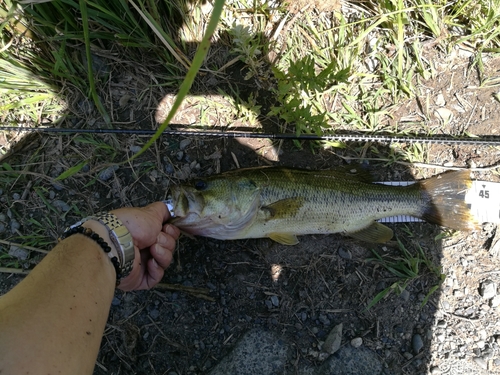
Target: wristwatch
{"type": "Point", "coordinates": [121, 238]}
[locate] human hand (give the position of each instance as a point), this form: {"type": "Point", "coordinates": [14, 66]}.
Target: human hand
{"type": "Point", "coordinates": [154, 244]}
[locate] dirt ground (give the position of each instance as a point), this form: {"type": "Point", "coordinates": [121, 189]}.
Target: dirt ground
{"type": "Point", "coordinates": [215, 291]}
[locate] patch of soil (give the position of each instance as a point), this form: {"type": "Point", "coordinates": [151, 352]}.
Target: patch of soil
{"type": "Point", "coordinates": [300, 292]}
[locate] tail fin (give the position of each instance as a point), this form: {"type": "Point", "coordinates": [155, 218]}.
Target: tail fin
{"type": "Point", "coordinates": [445, 194]}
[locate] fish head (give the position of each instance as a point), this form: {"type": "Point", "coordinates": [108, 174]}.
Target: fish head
{"type": "Point", "coordinates": [218, 207]}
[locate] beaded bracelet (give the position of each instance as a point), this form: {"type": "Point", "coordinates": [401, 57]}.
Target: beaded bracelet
{"type": "Point", "coordinates": [100, 241]}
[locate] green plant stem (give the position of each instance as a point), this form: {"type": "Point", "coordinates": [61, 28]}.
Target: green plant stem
{"type": "Point", "coordinates": [199, 57]}
{"type": "Point", "coordinates": [90, 73]}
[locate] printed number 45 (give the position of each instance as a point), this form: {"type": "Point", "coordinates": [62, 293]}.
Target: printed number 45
{"type": "Point", "coordinates": [484, 194]}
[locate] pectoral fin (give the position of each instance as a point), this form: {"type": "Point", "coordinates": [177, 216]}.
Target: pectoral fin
{"type": "Point", "coordinates": [285, 208]}
{"type": "Point", "coordinates": [376, 232]}
{"type": "Point", "coordinates": [284, 238]}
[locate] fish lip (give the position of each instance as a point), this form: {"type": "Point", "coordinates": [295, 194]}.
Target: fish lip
{"type": "Point", "coordinates": [169, 202]}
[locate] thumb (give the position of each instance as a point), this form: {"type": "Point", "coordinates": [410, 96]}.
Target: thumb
{"type": "Point", "coordinates": [160, 210]}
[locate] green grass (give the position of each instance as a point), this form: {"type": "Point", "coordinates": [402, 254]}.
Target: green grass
{"type": "Point", "coordinates": [410, 265]}
{"type": "Point", "coordinates": [50, 49]}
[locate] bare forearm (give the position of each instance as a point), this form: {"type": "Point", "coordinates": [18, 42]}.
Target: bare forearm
{"type": "Point", "coordinates": [53, 321]}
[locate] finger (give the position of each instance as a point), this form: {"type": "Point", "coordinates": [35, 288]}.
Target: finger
{"type": "Point", "coordinates": [162, 256]}
{"type": "Point", "coordinates": [160, 210]}
{"type": "Point", "coordinates": [166, 241]}
{"type": "Point", "coordinates": [154, 274]}
{"type": "Point", "coordinates": [171, 230]}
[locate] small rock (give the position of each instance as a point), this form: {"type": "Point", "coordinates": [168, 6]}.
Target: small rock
{"type": "Point", "coordinates": [458, 294]}
{"type": "Point", "coordinates": [14, 225]}
{"type": "Point", "coordinates": [481, 362]}
{"type": "Point", "coordinates": [61, 205]}
{"type": "Point", "coordinates": [124, 100]}
{"type": "Point", "coordinates": [344, 253]}
{"type": "Point", "coordinates": [435, 370]}
{"type": "Point", "coordinates": [446, 305]}
{"type": "Point", "coordinates": [3, 217]}
{"type": "Point", "coordinates": [408, 355]}
{"type": "Point", "coordinates": [154, 314]}
{"type": "Point", "coordinates": [275, 301]}
{"type": "Point", "coordinates": [417, 343]}
{"type": "Point", "coordinates": [405, 295]}
{"type": "Point", "coordinates": [421, 297]}
{"type": "Point", "coordinates": [333, 340]}
{"type": "Point", "coordinates": [58, 186]}
{"type": "Point", "coordinates": [488, 289]}
{"type": "Point", "coordinates": [16, 196]}
{"type": "Point", "coordinates": [2, 227]}
{"type": "Point", "coordinates": [179, 155]}
{"type": "Point", "coordinates": [356, 342]}
{"type": "Point", "coordinates": [184, 143]}
{"type": "Point", "coordinates": [480, 344]}
{"type": "Point", "coordinates": [18, 252]}
{"type": "Point", "coordinates": [483, 334]}
{"type": "Point", "coordinates": [495, 301]}
{"type": "Point", "coordinates": [324, 320]}
{"type": "Point", "coordinates": [135, 149]}
{"type": "Point", "coordinates": [116, 301]}
{"type": "Point", "coordinates": [440, 102]}
{"type": "Point", "coordinates": [169, 168]}
{"type": "Point", "coordinates": [107, 173]}
{"type": "Point", "coordinates": [52, 194]}
{"type": "Point", "coordinates": [444, 114]}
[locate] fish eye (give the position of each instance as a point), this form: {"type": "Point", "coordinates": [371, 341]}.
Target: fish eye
{"type": "Point", "coordinates": [200, 185]}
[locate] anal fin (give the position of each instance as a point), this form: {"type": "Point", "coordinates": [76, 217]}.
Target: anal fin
{"type": "Point", "coordinates": [284, 238]}
{"type": "Point", "coordinates": [375, 232]}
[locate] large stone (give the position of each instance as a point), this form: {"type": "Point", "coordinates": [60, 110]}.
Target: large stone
{"type": "Point", "coordinates": [257, 353]}
{"type": "Point", "coordinates": [352, 361]}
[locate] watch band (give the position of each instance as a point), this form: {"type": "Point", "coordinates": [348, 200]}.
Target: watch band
{"type": "Point", "coordinates": [121, 238]}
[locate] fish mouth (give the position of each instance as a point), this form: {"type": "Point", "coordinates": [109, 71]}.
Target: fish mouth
{"type": "Point", "coordinates": [182, 203]}
{"type": "Point", "coordinates": [169, 202]}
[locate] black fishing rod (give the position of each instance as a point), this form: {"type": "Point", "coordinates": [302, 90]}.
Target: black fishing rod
{"type": "Point", "coordinates": [338, 137]}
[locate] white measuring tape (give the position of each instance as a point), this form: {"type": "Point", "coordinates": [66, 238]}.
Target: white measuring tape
{"type": "Point", "coordinates": [483, 198]}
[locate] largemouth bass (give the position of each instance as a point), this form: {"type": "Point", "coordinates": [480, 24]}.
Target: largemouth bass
{"type": "Point", "coordinates": [281, 203]}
